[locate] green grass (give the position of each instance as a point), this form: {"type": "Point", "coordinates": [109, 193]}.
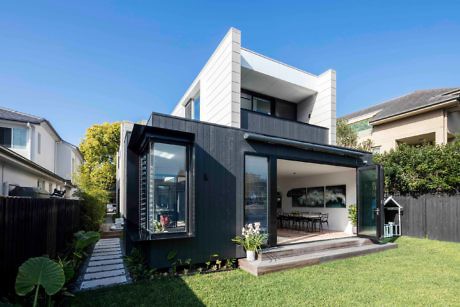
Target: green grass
{"type": "Point", "coordinates": [419, 272]}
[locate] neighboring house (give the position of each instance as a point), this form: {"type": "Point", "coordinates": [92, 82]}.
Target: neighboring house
{"type": "Point", "coordinates": [35, 139]}
{"type": "Point", "coordinates": [424, 116]}
{"type": "Point", "coordinates": [251, 138]}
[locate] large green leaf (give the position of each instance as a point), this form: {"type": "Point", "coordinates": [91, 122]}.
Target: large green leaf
{"type": "Point", "coordinates": [85, 239]}
{"type": "Point", "coordinates": [39, 271]}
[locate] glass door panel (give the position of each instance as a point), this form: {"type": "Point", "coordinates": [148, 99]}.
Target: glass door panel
{"type": "Point", "coordinates": [370, 190]}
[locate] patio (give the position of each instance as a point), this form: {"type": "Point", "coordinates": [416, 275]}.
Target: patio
{"type": "Point", "coordinates": [290, 236]}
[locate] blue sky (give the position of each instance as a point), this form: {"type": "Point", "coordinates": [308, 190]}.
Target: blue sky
{"type": "Point", "coordinates": [84, 62]}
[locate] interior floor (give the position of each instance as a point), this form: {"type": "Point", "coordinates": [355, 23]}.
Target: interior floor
{"type": "Point", "coordinates": [290, 236]}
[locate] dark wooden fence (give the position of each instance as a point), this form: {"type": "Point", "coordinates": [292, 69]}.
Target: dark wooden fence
{"type": "Point", "coordinates": [33, 227]}
{"type": "Point", "coordinates": [435, 217]}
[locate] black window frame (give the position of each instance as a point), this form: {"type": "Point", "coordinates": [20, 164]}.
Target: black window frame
{"type": "Point", "coordinates": [189, 195]}
{"type": "Point", "coordinates": [273, 105]}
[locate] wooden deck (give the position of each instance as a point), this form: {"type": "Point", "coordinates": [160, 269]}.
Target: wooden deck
{"type": "Point", "coordinates": [303, 254]}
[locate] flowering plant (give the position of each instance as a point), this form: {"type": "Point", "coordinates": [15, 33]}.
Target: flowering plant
{"type": "Point", "coordinates": [251, 239]}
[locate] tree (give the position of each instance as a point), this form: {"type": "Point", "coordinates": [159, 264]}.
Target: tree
{"type": "Point", "coordinates": [99, 149]}
{"type": "Point", "coordinates": [97, 176]}
{"type": "Point", "coordinates": [347, 137]}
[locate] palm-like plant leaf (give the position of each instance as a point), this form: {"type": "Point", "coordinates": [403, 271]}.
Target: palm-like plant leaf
{"type": "Point", "coordinates": [39, 271]}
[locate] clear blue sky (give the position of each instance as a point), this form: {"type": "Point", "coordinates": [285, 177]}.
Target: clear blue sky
{"type": "Point", "coordinates": [88, 62]}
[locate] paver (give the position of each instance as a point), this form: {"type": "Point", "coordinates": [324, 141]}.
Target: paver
{"type": "Point", "coordinates": [105, 265]}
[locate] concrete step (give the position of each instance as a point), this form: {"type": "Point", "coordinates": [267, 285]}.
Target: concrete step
{"type": "Point", "coordinates": [266, 266]}
{"type": "Point", "coordinates": [311, 247]}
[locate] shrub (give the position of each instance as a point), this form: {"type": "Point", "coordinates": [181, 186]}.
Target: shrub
{"type": "Point", "coordinates": [422, 169]}
{"type": "Point", "coordinates": [92, 209]}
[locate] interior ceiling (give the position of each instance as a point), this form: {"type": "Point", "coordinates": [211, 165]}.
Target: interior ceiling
{"type": "Point", "coordinates": [287, 168]}
{"type": "Point", "coordinates": [268, 85]}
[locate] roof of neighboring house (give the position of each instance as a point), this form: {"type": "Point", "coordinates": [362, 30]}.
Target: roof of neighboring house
{"type": "Point", "coordinates": [6, 153]}
{"type": "Point", "coordinates": [12, 115]}
{"type": "Point", "coordinates": [410, 102]}
{"type": "Point", "coordinates": [8, 114]}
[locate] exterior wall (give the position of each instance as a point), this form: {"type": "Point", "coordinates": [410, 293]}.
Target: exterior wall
{"type": "Point", "coordinates": [216, 195]}
{"type": "Point", "coordinates": [68, 161]}
{"type": "Point", "coordinates": [125, 129]}
{"type": "Point", "coordinates": [12, 174]}
{"type": "Point", "coordinates": [338, 217]}
{"type": "Point", "coordinates": [323, 111]}
{"type": "Point", "coordinates": [47, 156]}
{"type": "Point", "coordinates": [219, 84]}
{"type": "Point", "coordinates": [386, 135]}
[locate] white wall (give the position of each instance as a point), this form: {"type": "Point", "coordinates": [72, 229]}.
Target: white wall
{"type": "Point", "coordinates": [65, 154]}
{"type": "Point", "coordinates": [46, 157]}
{"type": "Point", "coordinates": [12, 174]}
{"type": "Point", "coordinates": [218, 84]}
{"type": "Point", "coordinates": [125, 127]}
{"type": "Point", "coordinates": [338, 217]}
{"type": "Point", "coordinates": [323, 112]}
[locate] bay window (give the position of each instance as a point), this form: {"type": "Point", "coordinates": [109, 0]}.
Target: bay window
{"type": "Point", "coordinates": [164, 188]}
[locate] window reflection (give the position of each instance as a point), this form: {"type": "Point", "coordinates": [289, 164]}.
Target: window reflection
{"type": "Point", "coordinates": [256, 191]}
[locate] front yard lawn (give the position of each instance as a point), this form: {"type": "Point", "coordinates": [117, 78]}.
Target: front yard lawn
{"type": "Point", "coordinates": [418, 272]}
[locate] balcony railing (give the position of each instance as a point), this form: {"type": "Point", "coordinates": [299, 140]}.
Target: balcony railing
{"type": "Point", "coordinates": [274, 126]}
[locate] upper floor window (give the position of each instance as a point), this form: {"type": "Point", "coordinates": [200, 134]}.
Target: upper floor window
{"type": "Point", "coordinates": [196, 107]}
{"type": "Point", "coordinates": [255, 103]}
{"type": "Point", "coordinates": [361, 125]}
{"type": "Point", "coordinates": [39, 143]}
{"type": "Point", "coordinates": [13, 137]}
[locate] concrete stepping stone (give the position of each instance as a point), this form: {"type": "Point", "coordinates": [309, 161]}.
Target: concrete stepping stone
{"type": "Point", "coordinates": [105, 257]}
{"type": "Point", "coordinates": [104, 262]}
{"type": "Point", "coordinates": [102, 268]}
{"type": "Point", "coordinates": [104, 274]}
{"type": "Point", "coordinates": [95, 283]}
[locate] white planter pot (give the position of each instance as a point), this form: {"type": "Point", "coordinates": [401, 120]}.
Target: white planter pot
{"type": "Point", "coordinates": [251, 255]}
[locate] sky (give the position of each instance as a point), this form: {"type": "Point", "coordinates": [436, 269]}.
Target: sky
{"type": "Point", "coordinates": [78, 63]}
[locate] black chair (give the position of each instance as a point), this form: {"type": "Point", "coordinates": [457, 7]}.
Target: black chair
{"type": "Point", "coordinates": [324, 220]}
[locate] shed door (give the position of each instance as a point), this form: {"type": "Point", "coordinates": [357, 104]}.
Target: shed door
{"type": "Point", "coordinates": [370, 201]}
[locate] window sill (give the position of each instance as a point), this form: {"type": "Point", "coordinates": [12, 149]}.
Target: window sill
{"type": "Point", "coordinates": [144, 235]}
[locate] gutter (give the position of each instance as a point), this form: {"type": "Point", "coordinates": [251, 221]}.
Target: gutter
{"type": "Point", "coordinates": [305, 145]}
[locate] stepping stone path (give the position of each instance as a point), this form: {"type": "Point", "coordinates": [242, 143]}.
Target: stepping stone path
{"type": "Point", "coordinates": [105, 267]}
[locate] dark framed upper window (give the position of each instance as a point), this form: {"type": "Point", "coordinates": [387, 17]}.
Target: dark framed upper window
{"type": "Point", "coordinates": [268, 105]}
{"type": "Point", "coordinates": [13, 137]}
{"type": "Point", "coordinates": [196, 107]}
{"type": "Point", "coordinates": [164, 188]}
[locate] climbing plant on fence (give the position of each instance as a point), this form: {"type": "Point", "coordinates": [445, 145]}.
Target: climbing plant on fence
{"type": "Point", "coordinates": [422, 169]}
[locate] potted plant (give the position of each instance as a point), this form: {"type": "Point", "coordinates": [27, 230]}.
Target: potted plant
{"type": "Point", "coordinates": [251, 240]}
{"type": "Point", "coordinates": [353, 217]}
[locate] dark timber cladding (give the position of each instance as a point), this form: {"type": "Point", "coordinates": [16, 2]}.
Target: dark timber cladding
{"type": "Point", "coordinates": [270, 125]}
{"type": "Point", "coordinates": [217, 186]}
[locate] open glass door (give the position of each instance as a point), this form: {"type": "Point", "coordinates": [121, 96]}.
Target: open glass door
{"type": "Point", "coordinates": [370, 201]}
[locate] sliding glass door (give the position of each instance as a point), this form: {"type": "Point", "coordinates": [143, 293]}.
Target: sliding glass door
{"type": "Point", "coordinates": [256, 187]}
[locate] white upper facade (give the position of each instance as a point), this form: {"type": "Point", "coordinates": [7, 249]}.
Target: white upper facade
{"type": "Point", "coordinates": [35, 139]}
{"type": "Point", "coordinates": [234, 78]}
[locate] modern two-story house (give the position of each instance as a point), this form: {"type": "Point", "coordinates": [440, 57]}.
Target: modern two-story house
{"type": "Point", "coordinates": [33, 155]}
{"type": "Point", "coordinates": [251, 140]}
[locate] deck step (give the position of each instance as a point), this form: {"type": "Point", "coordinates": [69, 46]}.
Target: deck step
{"type": "Point", "coordinates": [265, 266]}
{"type": "Point", "coordinates": [311, 247]}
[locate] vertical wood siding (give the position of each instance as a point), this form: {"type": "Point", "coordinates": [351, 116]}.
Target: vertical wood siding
{"type": "Point", "coordinates": [31, 228]}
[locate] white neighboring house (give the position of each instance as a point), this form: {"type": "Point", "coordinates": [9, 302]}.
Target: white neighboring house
{"type": "Point", "coordinates": [34, 155]}
{"type": "Point", "coordinates": [235, 79]}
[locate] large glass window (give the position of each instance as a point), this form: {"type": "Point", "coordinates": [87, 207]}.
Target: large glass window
{"type": "Point", "coordinates": [167, 188]}
{"type": "Point", "coordinates": [256, 191]}
{"type": "Point", "coordinates": [13, 137]}
{"type": "Point", "coordinates": [19, 138]}
{"type": "Point", "coordinates": [246, 101]}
